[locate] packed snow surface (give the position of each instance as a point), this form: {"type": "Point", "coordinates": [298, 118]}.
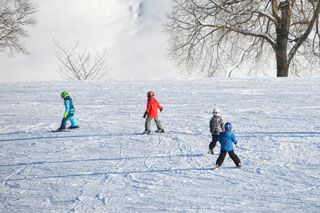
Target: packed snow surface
{"type": "Point", "coordinates": [109, 166]}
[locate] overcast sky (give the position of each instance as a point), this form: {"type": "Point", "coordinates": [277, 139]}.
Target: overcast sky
{"type": "Point", "coordinates": [130, 30]}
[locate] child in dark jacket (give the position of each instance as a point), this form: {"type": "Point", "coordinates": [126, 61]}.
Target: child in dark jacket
{"type": "Point", "coordinates": [68, 113]}
{"type": "Point", "coordinates": [152, 113]}
{"type": "Point", "coordinates": [216, 126]}
{"type": "Point", "coordinates": [227, 139]}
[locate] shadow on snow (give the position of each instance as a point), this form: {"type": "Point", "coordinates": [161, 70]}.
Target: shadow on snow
{"type": "Point", "coordinates": [111, 173]}
{"type": "Point", "coordinates": [107, 172]}
{"type": "Point", "coordinates": [240, 134]}
{"type": "Point", "coordinates": [100, 159]}
{"type": "Point", "coordinates": [279, 134]}
{"type": "Point", "coordinates": [60, 136]}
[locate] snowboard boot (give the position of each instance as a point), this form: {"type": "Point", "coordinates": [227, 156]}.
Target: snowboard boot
{"type": "Point", "coordinates": [61, 129]}
{"type": "Point", "coordinates": [160, 131]}
{"type": "Point", "coordinates": [73, 127]}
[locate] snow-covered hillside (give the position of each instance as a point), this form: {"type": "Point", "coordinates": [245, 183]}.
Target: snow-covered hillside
{"type": "Point", "coordinates": [108, 166]}
{"type": "Point", "coordinates": [132, 32]}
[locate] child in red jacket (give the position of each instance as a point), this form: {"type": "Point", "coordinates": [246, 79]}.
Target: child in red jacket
{"type": "Point", "coordinates": [152, 113]}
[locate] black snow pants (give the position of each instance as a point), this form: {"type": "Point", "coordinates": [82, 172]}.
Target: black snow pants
{"type": "Point", "coordinates": [214, 141]}
{"type": "Point", "coordinates": [232, 155]}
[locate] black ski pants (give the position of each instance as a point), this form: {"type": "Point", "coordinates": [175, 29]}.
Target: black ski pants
{"type": "Point", "coordinates": [232, 155]}
{"type": "Point", "coordinates": [214, 141]}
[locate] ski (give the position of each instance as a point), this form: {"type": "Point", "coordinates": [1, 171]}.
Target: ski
{"type": "Point", "coordinates": [151, 132]}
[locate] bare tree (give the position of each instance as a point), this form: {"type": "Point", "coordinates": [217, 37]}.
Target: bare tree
{"type": "Point", "coordinates": [221, 35]}
{"type": "Point", "coordinates": [78, 65]}
{"type": "Point", "coordinates": [15, 17]}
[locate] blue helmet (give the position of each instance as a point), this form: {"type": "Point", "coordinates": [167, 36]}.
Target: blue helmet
{"type": "Point", "coordinates": [228, 126]}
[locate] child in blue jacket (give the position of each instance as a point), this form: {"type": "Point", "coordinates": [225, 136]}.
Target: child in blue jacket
{"type": "Point", "coordinates": [227, 139]}
{"type": "Point", "coordinates": [68, 113]}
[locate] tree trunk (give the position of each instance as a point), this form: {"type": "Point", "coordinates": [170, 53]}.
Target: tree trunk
{"type": "Point", "coordinates": [282, 59]}
{"type": "Point", "coordinates": [281, 47]}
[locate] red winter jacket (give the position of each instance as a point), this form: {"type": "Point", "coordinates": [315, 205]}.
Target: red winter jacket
{"type": "Point", "coordinates": [152, 107]}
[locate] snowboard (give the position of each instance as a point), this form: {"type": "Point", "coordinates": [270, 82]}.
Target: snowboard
{"type": "Point", "coordinates": [65, 130]}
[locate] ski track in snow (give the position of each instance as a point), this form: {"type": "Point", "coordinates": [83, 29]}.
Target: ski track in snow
{"type": "Point", "coordinates": [109, 166]}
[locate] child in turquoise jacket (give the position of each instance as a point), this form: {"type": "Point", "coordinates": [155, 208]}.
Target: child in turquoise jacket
{"type": "Point", "coordinates": [68, 113]}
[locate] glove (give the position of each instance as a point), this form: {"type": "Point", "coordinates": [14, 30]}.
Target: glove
{"type": "Point", "coordinates": [145, 115]}
{"type": "Point", "coordinates": [161, 109]}
{"type": "Point", "coordinates": [65, 115]}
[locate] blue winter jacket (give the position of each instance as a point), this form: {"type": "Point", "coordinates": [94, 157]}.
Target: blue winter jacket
{"type": "Point", "coordinates": [226, 139]}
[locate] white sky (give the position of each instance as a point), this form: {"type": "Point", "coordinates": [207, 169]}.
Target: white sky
{"type": "Point", "coordinates": [136, 45]}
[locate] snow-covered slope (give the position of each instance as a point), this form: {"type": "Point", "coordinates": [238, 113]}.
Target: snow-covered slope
{"type": "Point", "coordinates": [107, 166]}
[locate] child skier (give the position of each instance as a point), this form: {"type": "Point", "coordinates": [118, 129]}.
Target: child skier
{"type": "Point", "coordinates": [227, 139]}
{"type": "Point", "coordinates": [216, 126]}
{"type": "Point", "coordinates": [152, 113]}
{"type": "Point", "coordinates": [68, 113]}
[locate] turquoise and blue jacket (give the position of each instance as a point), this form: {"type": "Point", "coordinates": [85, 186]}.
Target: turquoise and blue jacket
{"type": "Point", "coordinates": [227, 139]}
{"type": "Point", "coordinates": [69, 108]}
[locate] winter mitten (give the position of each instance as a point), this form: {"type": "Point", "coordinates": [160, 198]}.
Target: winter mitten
{"type": "Point", "coordinates": [145, 115]}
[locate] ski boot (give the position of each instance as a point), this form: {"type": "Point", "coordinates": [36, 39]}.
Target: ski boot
{"type": "Point", "coordinates": [147, 131]}
{"type": "Point", "coordinates": [160, 131]}
{"type": "Point", "coordinates": [211, 152]}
